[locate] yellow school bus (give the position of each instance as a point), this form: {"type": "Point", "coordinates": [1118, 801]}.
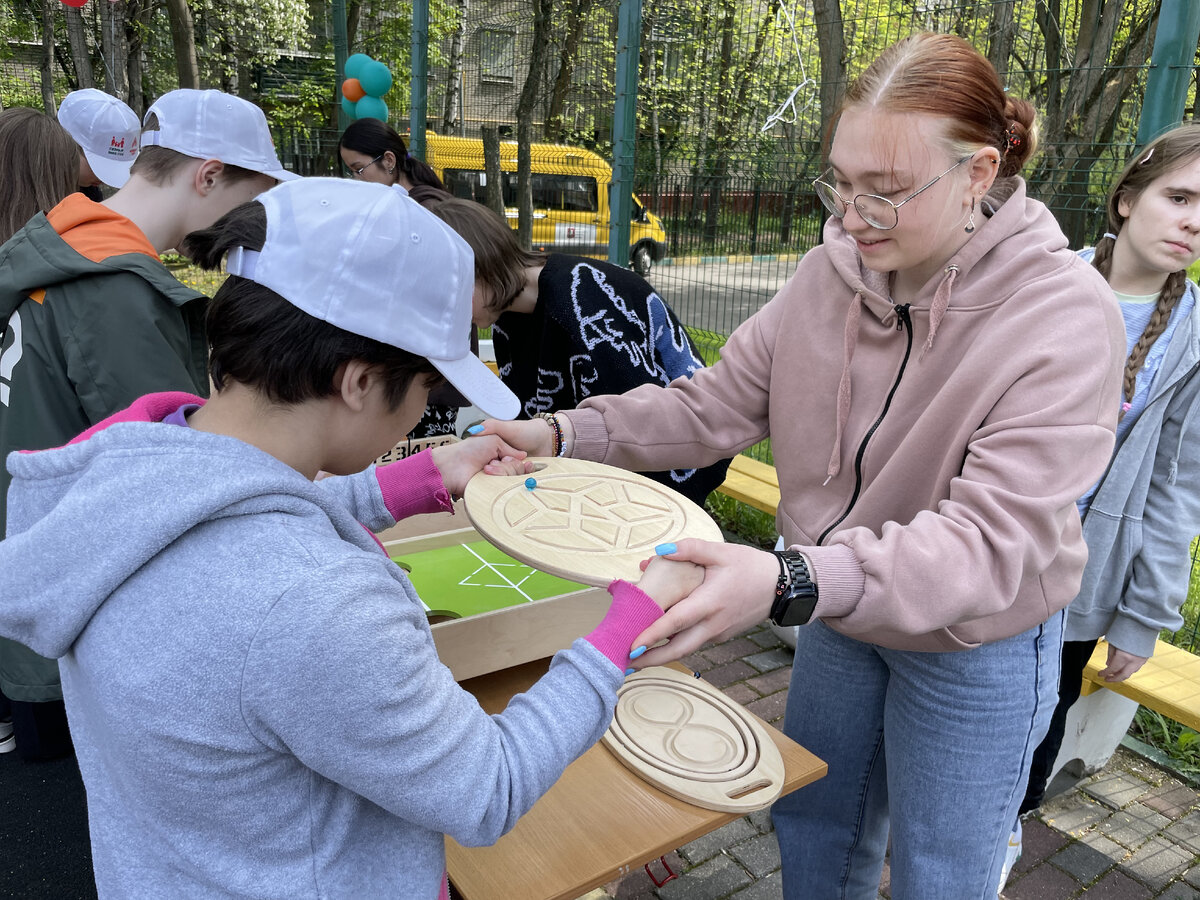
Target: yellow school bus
{"type": "Point", "coordinates": [570, 196]}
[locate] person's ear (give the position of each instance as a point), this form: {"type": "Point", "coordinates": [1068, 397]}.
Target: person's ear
{"type": "Point", "coordinates": [1124, 204]}
{"type": "Point", "coordinates": [207, 175]}
{"type": "Point", "coordinates": [389, 162]}
{"type": "Point", "coordinates": [981, 170]}
{"type": "Point", "coordinates": [355, 380]}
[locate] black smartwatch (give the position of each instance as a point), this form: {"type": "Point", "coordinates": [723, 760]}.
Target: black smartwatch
{"type": "Point", "coordinates": [795, 592]}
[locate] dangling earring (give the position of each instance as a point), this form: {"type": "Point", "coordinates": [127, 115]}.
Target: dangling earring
{"type": "Point", "coordinates": [390, 168]}
{"type": "Point", "coordinates": [970, 229]}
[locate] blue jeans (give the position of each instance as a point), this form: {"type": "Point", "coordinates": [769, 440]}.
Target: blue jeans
{"type": "Point", "coordinates": [936, 744]}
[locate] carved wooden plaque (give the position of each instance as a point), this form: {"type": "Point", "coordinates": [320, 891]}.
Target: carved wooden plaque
{"type": "Point", "coordinates": [685, 737]}
{"type": "Point", "coordinates": [582, 521]}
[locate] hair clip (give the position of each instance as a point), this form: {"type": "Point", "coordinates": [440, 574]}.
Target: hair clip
{"type": "Point", "coordinates": [1012, 140]}
{"type": "Point", "coordinates": [1145, 159]}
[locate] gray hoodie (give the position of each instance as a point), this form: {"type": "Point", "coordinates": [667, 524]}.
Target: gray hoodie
{"type": "Point", "coordinates": [1146, 511]}
{"type": "Point", "coordinates": [253, 690]}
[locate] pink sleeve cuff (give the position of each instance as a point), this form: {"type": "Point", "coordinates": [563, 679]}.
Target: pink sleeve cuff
{"type": "Point", "coordinates": [591, 435]}
{"type": "Point", "coordinates": [413, 486]}
{"type": "Point", "coordinates": [839, 577]}
{"type": "Point", "coordinates": [632, 612]}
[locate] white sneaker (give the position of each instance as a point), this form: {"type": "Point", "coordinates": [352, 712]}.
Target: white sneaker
{"type": "Point", "coordinates": [1011, 855]}
{"type": "Point", "coordinates": [7, 740]}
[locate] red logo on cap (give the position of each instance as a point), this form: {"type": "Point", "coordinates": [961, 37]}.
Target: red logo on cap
{"type": "Point", "coordinates": [119, 145]}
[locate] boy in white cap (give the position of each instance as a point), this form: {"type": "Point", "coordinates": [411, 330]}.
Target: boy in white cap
{"type": "Point", "coordinates": [92, 319]}
{"type": "Point", "coordinates": [256, 698]}
{"type": "Point", "coordinates": [107, 132]}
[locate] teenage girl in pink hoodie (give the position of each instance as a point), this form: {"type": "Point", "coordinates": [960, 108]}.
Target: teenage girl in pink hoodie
{"type": "Point", "coordinates": [939, 381]}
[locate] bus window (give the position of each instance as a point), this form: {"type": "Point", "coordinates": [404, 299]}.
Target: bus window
{"type": "Point", "coordinates": [571, 193]}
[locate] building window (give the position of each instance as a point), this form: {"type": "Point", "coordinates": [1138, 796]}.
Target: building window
{"type": "Point", "coordinates": [497, 55]}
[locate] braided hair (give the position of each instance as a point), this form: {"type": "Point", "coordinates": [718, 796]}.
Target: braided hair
{"type": "Point", "coordinates": [1173, 149]}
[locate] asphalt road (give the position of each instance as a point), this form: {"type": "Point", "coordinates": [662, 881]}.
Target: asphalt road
{"type": "Point", "coordinates": [719, 296]}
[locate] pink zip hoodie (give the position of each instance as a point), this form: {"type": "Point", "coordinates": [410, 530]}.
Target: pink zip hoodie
{"type": "Point", "coordinates": [929, 457]}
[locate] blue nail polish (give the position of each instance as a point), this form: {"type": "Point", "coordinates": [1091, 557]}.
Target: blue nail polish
{"type": "Point", "coordinates": [475, 429]}
{"type": "Point", "coordinates": [530, 483]}
{"type": "Point", "coordinates": [630, 671]}
{"type": "Point", "coordinates": [664, 549]}
{"type": "Point", "coordinates": [638, 652]}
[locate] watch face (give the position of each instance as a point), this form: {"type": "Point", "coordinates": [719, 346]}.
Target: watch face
{"type": "Point", "coordinates": [798, 611]}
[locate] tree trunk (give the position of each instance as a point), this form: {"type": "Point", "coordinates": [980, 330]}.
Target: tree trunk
{"type": "Point", "coordinates": [450, 120]}
{"type": "Point", "coordinates": [114, 48]}
{"type": "Point", "coordinates": [80, 54]}
{"type": "Point", "coordinates": [542, 10]}
{"type": "Point", "coordinates": [831, 44]}
{"type": "Point", "coordinates": [494, 189]}
{"type": "Point", "coordinates": [576, 22]}
{"type": "Point", "coordinates": [47, 78]}
{"type": "Point", "coordinates": [183, 39]}
{"type": "Point", "coordinates": [720, 152]}
{"type": "Point", "coordinates": [1001, 37]}
{"type": "Point", "coordinates": [1081, 126]}
{"type": "Point", "coordinates": [353, 14]}
{"type": "Point", "coordinates": [142, 12]}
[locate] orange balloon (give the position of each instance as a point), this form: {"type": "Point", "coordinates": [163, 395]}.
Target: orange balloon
{"type": "Point", "coordinates": [352, 90]}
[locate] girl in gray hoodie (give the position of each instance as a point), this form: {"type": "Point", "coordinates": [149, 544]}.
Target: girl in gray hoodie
{"type": "Point", "coordinates": [1140, 517]}
{"type": "Point", "coordinates": [253, 690]}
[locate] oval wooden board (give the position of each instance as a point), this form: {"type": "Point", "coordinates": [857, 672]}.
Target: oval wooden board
{"type": "Point", "coordinates": [685, 737]}
{"type": "Point", "coordinates": [583, 521]}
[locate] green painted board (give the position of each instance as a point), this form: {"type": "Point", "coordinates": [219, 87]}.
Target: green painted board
{"type": "Point", "coordinates": [467, 579]}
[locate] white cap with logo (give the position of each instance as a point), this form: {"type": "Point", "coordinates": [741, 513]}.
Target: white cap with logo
{"type": "Point", "coordinates": [372, 261]}
{"type": "Point", "coordinates": [214, 125]}
{"type": "Point", "coordinates": [105, 129]}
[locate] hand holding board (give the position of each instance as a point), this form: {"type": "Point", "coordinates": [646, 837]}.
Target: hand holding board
{"type": "Point", "coordinates": [582, 521]}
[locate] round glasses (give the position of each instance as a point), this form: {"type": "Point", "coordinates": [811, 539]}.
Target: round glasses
{"type": "Point", "coordinates": [357, 172]}
{"type": "Point", "coordinates": [878, 212]}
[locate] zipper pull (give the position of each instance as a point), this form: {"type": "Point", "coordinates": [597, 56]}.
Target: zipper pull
{"type": "Point", "coordinates": [902, 319]}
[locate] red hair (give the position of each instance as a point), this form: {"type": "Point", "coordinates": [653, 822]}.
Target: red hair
{"type": "Point", "coordinates": [943, 75]}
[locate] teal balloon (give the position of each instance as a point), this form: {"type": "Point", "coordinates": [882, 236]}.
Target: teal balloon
{"type": "Point", "coordinates": [356, 64]}
{"type": "Point", "coordinates": [349, 108]}
{"type": "Point", "coordinates": [375, 79]}
{"type": "Point", "coordinates": [371, 108]}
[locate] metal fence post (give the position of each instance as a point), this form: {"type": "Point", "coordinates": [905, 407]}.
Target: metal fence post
{"type": "Point", "coordinates": [620, 195]}
{"type": "Point", "coordinates": [1172, 60]}
{"type": "Point", "coordinates": [340, 50]}
{"type": "Point", "coordinates": [420, 78]}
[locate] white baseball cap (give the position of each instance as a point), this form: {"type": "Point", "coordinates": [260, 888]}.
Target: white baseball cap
{"type": "Point", "coordinates": [214, 125]}
{"type": "Point", "coordinates": [105, 129]}
{"type": "Point", "coordinates": [372, 261]}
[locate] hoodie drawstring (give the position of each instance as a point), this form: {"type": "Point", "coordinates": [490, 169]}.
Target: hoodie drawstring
{"type": "Point", "coordinates": [849, 342]}
{"type": "Point", "coordinates": [941, 300]}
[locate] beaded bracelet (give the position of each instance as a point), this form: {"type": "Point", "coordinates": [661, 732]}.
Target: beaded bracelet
{"type": "Point", "coordinates": [559, 446]}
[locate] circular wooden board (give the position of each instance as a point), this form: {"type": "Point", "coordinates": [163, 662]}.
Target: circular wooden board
{"type": "Point", "coordinates": [685, 737]}
{"type": "Point", "coordinates": [582, 521]}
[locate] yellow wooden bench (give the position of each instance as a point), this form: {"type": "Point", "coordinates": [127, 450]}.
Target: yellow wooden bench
{"type": "Point", "coordinates": [753, 483]}
{"type": "Point", "coordinates": [1169, 682]}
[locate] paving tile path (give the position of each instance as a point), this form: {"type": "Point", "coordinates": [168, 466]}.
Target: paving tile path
{"type": "Point", "coordinates": [1129, 832]}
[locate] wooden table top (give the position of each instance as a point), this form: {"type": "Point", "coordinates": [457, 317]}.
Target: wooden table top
{"type": "Point", "coordinates": [598, 822]}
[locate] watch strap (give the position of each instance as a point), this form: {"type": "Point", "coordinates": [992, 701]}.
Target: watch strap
{"type": "Point", "coordinates": [795, 591]}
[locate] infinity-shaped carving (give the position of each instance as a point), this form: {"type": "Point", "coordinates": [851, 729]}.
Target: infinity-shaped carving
{"type": "Point", "coordinates": [669, 718]}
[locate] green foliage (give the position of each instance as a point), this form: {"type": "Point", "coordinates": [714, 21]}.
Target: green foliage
{"type": "Point", "coordinates": [1179, 743]}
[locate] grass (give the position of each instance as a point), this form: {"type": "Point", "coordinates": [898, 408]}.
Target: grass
{"type": "Point", "coordinates": [198, 279]}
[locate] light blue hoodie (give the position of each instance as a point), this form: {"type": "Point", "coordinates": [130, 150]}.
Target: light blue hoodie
{"type": "Point", "coordinates": [253, 691]}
